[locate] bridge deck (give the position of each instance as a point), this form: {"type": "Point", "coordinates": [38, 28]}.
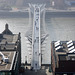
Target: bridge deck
{"type": "Point", "coordinates": [36, 62]}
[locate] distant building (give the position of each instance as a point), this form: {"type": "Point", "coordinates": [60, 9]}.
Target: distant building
{"type": "Point", "coordinates": [62, 4]}
{"type": "Point", "coordinates": [58, 4]}
{"type": "Point", "coordinates": [10, 52]}
{"type": "Point", "coordinates": [63, 57]}
{"type": "Point", "coordinates": [70, 2]}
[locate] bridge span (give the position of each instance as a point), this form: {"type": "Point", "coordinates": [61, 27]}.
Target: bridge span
{"type": "Point", "coordinates": [35, 36]}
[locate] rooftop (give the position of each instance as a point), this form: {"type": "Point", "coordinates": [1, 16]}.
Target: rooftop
{"type": "Point", "coordinates": [11, 56]}
{"type": "Point", "coordinates": [65, 50]}
{"type": "Point", "coordinates": [8, 40]}
{"type": "Point", "coordinates": [9, 43]}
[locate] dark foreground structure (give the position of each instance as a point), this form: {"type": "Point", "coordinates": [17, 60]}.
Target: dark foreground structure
{"type": "Point", "coordinates": [10, 52]}
{"type": "Point", "coordinates": [63, 57]}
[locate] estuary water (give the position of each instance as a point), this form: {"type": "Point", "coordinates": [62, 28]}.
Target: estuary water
{"type": "Point", "coordinates": [59, 28]}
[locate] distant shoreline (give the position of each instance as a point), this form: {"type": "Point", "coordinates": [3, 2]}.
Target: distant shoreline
{"type": "Point", "coordinates": [26, 14]}
{"type": "Point", "coordinates": [13, 14]}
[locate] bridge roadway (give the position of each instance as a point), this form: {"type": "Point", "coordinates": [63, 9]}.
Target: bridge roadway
{"type": "Point", "coordinates": [36, 52]}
